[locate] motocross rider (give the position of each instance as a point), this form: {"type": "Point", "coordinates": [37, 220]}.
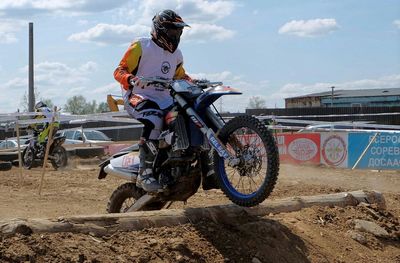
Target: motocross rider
{"type": "Point", "coordinates": [41, 131]}
{"type": "Point", "coordinates": [155, 56]}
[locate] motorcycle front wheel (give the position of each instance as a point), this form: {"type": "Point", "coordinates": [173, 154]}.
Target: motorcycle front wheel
{"type": "Point", "coordinates": [28, 158]}
{"type": "Point", "coordinates": [59, 157]}
{"type": "Point", "coordinates": [252, 180]}
{"type": "Point", "coordinates": [125, 196]}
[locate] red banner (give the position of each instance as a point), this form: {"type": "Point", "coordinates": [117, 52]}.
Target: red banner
{"type": "Point", "coordinates": [299, 148]}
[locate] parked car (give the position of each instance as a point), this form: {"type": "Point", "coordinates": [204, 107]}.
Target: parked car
{"type": "Point", "coordinates": [75, 136]}
{"type": "Point", "coordinates": [12, 144]}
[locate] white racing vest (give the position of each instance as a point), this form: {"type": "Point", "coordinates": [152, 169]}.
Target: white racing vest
{"type": "Point", "coordinates": [156, 62]}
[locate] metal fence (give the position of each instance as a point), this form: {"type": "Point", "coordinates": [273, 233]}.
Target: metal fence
{"type": "Point", "coordinates": [379, 115]}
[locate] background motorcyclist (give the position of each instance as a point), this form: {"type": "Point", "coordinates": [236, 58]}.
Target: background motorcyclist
{"type": "Point", "coordinates": [155, 56]}
{"type": "Point", "coordinates": [41, 130]}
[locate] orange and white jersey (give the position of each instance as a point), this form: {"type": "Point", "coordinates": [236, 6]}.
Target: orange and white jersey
{"type": "Point", "coordinates": [144, 58]}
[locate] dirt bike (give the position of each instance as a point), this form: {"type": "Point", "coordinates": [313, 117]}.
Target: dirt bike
{"type": "Point", "coordinates": [33, 155]}
{"type": "Point", "coordinates": [241, 154]}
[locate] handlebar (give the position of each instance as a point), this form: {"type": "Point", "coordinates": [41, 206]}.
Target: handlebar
{"type": "Point", "coordinates": [155, 80]}
{"type": "Point", "coordinates": [167, 82]}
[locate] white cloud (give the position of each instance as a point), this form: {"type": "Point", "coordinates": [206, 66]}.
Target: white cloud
{"type": "Point", "coordinates": [55, 74]}
{"type": "Point", "coordinates": [103, 34]}
{"type": "Point", "coordinates": [200, 14]}
{"type": "Point", "coordinates": [110, 34]}
{"type": "Point", "coordinates": [7, 38]}
{"type": "Point", "coordinates": [276, 98]}
{"type": "Point", "coordinates": [24, 8]}
{"type": "Point", "coordinates": [298, 89]}
{"type": "Point", "coordinates": [8, 29]}
{"type": "Point", "coordinates": [233, 103]}
{"type": "Point", "coordinates": [309, 28]}
{"type": "Point", "coordinates": [53, 80]}
{"type": "Point", "coordinates": [191, 10]}
{"type": "Point", "coordinates": [83, 22]}
{"type": "Point", "coordinates": [396, 23]}
{"type": "Point", "coordinates": [224, 76]}
{"type": "Point", "coordinates": [207, 32]}
{"type": "Point", "coordinates": [111, 88]}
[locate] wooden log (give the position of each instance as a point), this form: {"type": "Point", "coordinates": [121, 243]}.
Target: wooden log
{"type": "Point", "coordinates": [106, 224]}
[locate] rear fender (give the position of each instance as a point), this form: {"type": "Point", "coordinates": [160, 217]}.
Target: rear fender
{"type": "Point", "coordinates": [58, 141]}
{"type": "Point", "coordinates": [127, 162]}
{"type": "Point", "coordinates": [102, 173]}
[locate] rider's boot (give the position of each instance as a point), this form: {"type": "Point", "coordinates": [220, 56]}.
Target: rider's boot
{"type": "Point", "coordinates": [145, 179]}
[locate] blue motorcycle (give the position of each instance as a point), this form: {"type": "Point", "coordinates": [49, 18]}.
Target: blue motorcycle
{"type": "Point", "coordinates": [197, 147]}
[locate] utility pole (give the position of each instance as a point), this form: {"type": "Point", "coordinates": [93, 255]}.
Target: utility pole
{"type": "Point", "coordinates": [332, 96]}
{"type": "Point", "coordinates": [31, 93]}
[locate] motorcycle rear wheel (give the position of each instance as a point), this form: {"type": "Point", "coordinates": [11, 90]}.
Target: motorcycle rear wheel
{"type": "Point", "coordinates": [60, 157]}
{"type": "Point", "coordinates": [253, 179]}
{"type": "Point", "coordinates": [126, 195]}
{"type": "Point", "coordinates": [28, 158]}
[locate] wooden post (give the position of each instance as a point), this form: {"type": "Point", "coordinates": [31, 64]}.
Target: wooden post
{"type": "Point", "coordinates": [19, 152]}
{"type": "Point", "coordinates": [49, 142]}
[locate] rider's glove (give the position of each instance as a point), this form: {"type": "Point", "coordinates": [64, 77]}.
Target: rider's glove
{"type": "Point", "coordinates": [135, 82]}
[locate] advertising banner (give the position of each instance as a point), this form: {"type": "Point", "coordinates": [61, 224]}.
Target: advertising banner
{"type": "Point", "coordinates": [334, 149]}
{"type": "Point", "coordinates": [383, 152]}
{"type": "Point", "coordinates": [299, 148]}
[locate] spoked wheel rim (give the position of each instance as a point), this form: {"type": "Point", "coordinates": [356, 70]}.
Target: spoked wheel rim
{"type": "Point", "coordinates": [59, 157]}
{"type": "Point", "coordinates": [128, 202]}
{"type": "Point", "coordinates": [246, 178]}
{"type": "Point", "coordinates": [251, 180]}
{"type": "Point", "coordinates": [28, 158]}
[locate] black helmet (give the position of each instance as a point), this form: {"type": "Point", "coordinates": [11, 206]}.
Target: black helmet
{"type": "Point", "coordinates": [39, 105]}
{"type": "Point", "coordinates": [167, 29]}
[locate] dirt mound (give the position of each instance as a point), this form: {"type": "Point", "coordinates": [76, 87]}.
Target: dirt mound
{"type": "Point", "coordinates": [314, 234]}
{"type": "Point", "coordinates": [311, 235]}
{"type": "Point", "coordinates": [204, 242]}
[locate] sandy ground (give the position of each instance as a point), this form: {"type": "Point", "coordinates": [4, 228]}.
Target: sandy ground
{"type": "Point", "coordinates": [310, 235]}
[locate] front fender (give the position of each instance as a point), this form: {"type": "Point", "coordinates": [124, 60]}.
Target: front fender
{"type": "Point", "coordinates": [102, 173]}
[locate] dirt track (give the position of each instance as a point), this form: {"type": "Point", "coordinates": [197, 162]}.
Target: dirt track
{"type": "Point", "coordinates": [310, 235]}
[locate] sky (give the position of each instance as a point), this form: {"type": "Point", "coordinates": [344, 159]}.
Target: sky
{"type": "Point", "coordinates": [270, 49]}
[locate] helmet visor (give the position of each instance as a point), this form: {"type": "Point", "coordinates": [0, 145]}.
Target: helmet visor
{"type": "Point", "coordinates": [180, 24]}
{"type": "Point", "coordinates": [174, 33]}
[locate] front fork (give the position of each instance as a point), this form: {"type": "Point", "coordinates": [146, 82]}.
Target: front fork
{"type": "Point", "coordinates": [215, 142]}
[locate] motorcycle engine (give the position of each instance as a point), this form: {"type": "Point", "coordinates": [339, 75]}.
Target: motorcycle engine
{"type": "Point", "coordinates": [165, 139]}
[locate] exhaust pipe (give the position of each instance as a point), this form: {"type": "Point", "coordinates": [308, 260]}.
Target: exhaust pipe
{"type": "Point", "coordinates": [109, 169]}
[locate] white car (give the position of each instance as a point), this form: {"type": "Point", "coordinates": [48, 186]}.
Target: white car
{"type": "Point", "coordinates": [75, 136]}
{"type": "Point", "coordinates": [12, 144]}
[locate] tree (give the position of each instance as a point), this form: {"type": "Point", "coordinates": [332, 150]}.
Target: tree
{"type": "Point", "coordinates": [103, 107]}
{"type": "Point", "coordinates": [78, 105]}
{"type": "Point", "coordinates": [256, 102]}
{"type": "Point", "coordinates": [24, 104]}
{"type": "Point", "coordinates": [91, 107]}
